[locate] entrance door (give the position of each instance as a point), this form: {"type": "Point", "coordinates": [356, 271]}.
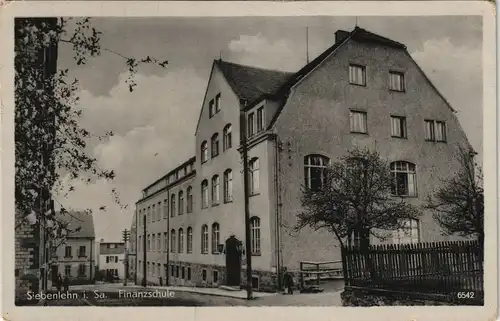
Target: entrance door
{"type": "Point", "coordinates": [55, 272]}
{"type": "Point", "coordinates": [233, 262]}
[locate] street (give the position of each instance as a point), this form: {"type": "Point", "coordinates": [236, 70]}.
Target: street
{"type": "Point", "coordinates": [119, 295]}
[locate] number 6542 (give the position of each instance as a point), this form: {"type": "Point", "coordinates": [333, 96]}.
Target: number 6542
{"type": "Point", "coordinates": [465, 295]}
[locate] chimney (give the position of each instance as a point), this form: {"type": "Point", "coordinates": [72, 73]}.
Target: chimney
{"type": "Point", "coordinates": [341, 35]}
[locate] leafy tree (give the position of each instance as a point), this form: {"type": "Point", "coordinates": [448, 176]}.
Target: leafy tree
{"type": "Point", "coordinates": [50, 143]}
{"type": "Point", "coordinates": [458, 205]}
{"type": "Point", "coordinates": [355, 199]}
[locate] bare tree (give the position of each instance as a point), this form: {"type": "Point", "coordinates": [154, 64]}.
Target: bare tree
{"type": "Point", "coordinates": [458, 204]}
{"type": "Point", "coordinates": [355, 198]}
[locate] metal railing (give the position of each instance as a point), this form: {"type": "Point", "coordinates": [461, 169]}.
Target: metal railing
{"type": "Point", "coordinates": [320, 270]}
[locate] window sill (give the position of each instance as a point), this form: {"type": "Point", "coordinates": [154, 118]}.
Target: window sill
{"type": "Point", "coordinates": [399, 137]}
{"type": "Point", "coordinates": [356, 84]}
{"type": "Point", "coordinates": [204, 253]}
{"type": "Point", "coordinates": [405, 196]}
{"type": "Point", "coordinates": [215, 204]}
{"type": "Point", "coordinates": [360, 133]}
{"type": "Point", "coordinates": [256, 254]}
{"type": "Point", "coordinates": [228, 201]}
{"type": "Point", "coordinates": [397, 91]}
{"type": "Point", "coordinates": [215, 253]}
{"type": "Point", "coordinates": [254, 194]}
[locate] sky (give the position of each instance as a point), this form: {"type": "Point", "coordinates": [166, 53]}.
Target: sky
{"type": "Point", "coordinates": [154, 125]}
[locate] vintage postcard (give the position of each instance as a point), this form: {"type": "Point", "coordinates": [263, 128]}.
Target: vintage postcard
{"type": "Point", "coordinates": [327, 156]}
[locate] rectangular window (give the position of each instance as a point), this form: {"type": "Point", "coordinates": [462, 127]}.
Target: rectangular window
{"type": "Point", "coordinates": [153, 245]}
{"type": "Point", "coordinates": [398, 126]}
{"type": "Point", "coordinates": [435, 130]}
{"type": "Point", "coordinates": [204, 275]}
{"type": "Point", "coordinates": [215, 276]}
{"type": "Point", "coordinates": [158, 242]}
{"type": "Point", "coordinates": [116, 259]}
{"type": "Point", "coordinates": [172, 271]}
{"type": "Point", "coordinates": [165, 209]}
{"type": "Point", "coordinates": [358, 122]}
{"type": "Point", "coordinates": [211, 108]}
{"type": "Point", "coordinates": [177, 271]}
{"type": "Point", "coordinates": [217, 103]}
{"type": "Point", "coordinates": [357, 75]}
{"type": "Point", "coordinates": [67, 270]}
{"type": "Point", "coordinates": [67, 252]}
{"type": "Point", "coordinates": [429, 130]}
{"type": "Point", "coordinates": [189, 273]}
{"type": "Point", "coordinates": [260, 119]}
{"type": "Point", "coordinates": [409, 233]}
{"type": "Point", "coordinates": [440, 131]}
{"type": "Point", "coordinates": [82, 252]}
{"type": "Point", "coordinates": [396, 81]}
{"type": "Point", "coordinates": [165, 241]}
{"type": "Point", "coordinates": [153, 216]}
{"type": "Point", "coordinates": [183, 272]}
{"type": "Point", "coordinates": [250, 125]}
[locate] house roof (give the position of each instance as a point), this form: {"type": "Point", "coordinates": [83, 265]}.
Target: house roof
{"type": "Point", "coordinates": [252, 83]}
{"type": "Point", "coordinates": [81, 220]}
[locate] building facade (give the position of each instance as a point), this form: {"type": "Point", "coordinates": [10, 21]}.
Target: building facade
{"type": "Point", "coordinates": [363, 91]}
{"type": "Point", "coordinates": [132, 250]}
{"type": "Point", "coordinates": [111, 260]}
{"type": "Point", "coordinates": [75, 256]}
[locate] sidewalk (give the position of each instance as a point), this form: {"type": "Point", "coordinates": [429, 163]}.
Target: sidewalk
{"type": "Point", "coordinates": [261, 298]}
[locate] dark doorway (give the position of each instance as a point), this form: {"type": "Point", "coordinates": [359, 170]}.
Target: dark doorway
{"type": "Point", "coordinates": [55, 272]}
{"type": "Point", "coordinates": [233, 262]}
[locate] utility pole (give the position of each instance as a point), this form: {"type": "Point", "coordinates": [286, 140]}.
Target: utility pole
{"type": "Point", "coordinates": [125, 259]}
{"type": "Point", "coordinates": [144, 271]}
{"type": "Point", "coordinates": [243, 140]}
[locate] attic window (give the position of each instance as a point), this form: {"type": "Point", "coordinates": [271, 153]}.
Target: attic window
{"type": "Point", "coordinates": [211, 109]}
{"type": "Point", "coordinates": [357, 75]}
{"type": "Point", "coordinates": [396, 81]}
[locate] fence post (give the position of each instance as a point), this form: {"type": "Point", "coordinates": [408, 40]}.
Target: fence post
{"type": "Point", "coordinates": [317, 276]}
{"type": "Point", "coordinates": [301, 276]}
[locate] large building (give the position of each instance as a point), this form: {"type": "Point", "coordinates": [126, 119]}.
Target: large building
{"type": "Point", "coordinates": [363, 91]}
{"type": "Point", "coordinates": [75, 257]}
{"type": "Point", "coordinates": [111, 260]}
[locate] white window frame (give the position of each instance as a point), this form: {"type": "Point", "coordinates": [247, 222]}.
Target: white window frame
{"type": "Point", "coordinates": [228, 186]}
{"type": "Point", "coordinates": [354, 122]}
{"type": "Point", "coordinates": [254, 168]}
{"type": "Point", "coordinates": [397, 81]}
{"type": "Point", "coordinates": [255, 235]}
{"type": "Point", "coordinates": [410, 169]}
{"type": "Point", "coordinates": [204, 239]}
{"type": "Point", "coordinates": [215, 237]}
{"type": "Point", "coordinates": [204, 151]}
{"type": "Point", "coordinates": [357, 71]}
{"type": "Point", "coordinates": [215, 190]}
{"type": "Point", "coordinates": [309, 166]}
{"type": "Point", "coordinates": [204, 194]}
{"type": "Point", "coordinates": [410, 234]}
{"type": "Point", "coordinates": [189, 240]}
{"type": "Point", "coordinates": [398, 127]}
{"type": "Point", "coordinates": [180, 247]}
{"type": "Point", "coordinates": [227, 137]}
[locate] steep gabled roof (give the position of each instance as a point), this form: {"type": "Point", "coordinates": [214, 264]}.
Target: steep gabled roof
{"type": "Point", "coordinates": [251, 83]}
{"type": "Point", "coordinates": [81, 220]}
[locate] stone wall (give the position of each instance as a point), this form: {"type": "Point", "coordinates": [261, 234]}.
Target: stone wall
{"type": "Point", "coordinates": [267, 281]}
{"type": "Point", "coordinates": [26, 259]}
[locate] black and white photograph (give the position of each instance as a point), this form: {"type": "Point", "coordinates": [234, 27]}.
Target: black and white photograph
{"type": "Point", "coordinates": [250, 161]}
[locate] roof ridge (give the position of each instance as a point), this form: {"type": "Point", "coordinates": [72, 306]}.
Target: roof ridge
{"type": "Point", "coordinates": [253, 67]}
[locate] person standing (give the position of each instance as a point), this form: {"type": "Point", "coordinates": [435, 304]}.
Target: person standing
{"type": "Point", "coordinates": [59, 282]}
{"type": "Point", "coordinates": [66, 283]}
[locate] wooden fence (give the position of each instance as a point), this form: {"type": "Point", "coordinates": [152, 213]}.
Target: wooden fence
{"type": "Point", "coordinates": [437, 268]}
